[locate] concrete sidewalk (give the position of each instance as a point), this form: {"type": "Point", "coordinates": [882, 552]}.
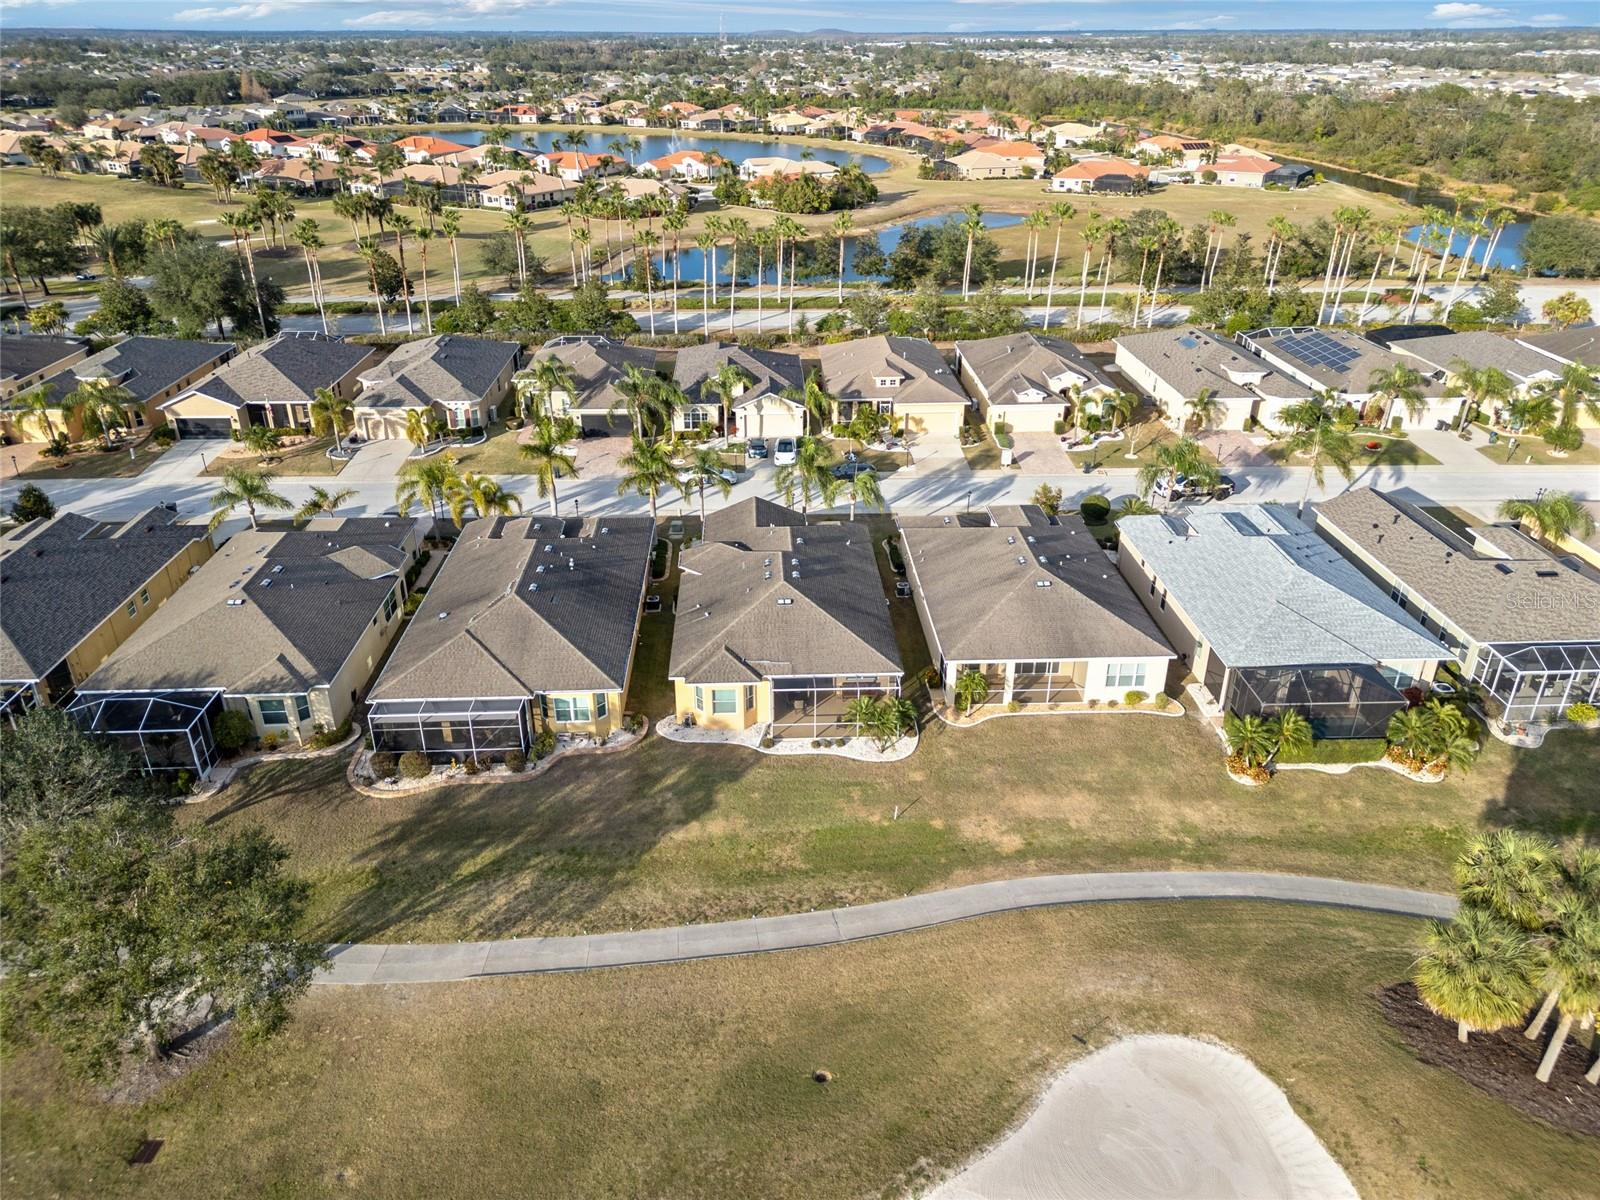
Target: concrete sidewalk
{"type": "Point", "coordinates": [450, 962]}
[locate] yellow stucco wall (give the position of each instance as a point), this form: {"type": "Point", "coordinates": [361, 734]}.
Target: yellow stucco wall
{"type": "Point", "coordinates": [742, 718]}
{"type": "Point", "coordinates": [939, 420]}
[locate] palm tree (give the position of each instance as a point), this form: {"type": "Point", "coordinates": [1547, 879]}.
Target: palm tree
{"type": "Point", "coordinates": [421, 426]}
{"type": "Point", "coordinates": [704, 467]}
{"type": "Point", "coordinates": [549, 462]}
{"type": "Point", "coordinates": [972, 226]}
{"type": "Point", "coordinates": [707, 243]}
{"type": "Point", "coordinates": [1036, 222]}
{"type": "Point", "coordinates": [1291, 731]}
{"type": "Point", "coordinates": [1093, 232]}
{"type": "Point", "coordinates": [424, 236]}
{"type": "Point", "coordinates": [428, 481]}
{"type": "Point", "coordinates": [253, 489]}
{"type": "Point", "coordinates": [450, 227]}
{"type": "Point", "coordinates": [402, 225]}
{"type": "Point", "coordinates": [1219, 220]}
{"type": "Point", "coordinates": [101, 406]}
{"type": "Point", "coordinates": [864, 487]}
{"type": "Point", "coordinates": [323, 503]}
{"type": "Point", "coordinates": [1482, 386]}
{"type": "Point", "coordinates": [1116, 228]}
{"type": "Point", "coordinates": [1205, 408]}
{"type": "Point", "coordinates": [1132, 506]}
{"type": "Point", "coordinates": [647, 471]}
{"type": "Point", "coordinates": [1401, 383]}
{"type": "Point", "coordinates": [673, 222]}
{"type": "Point", "coordinates": [371, 253]}
{"type": "Point", "coordinates": [764, 239]}
{"type": "Point", "coordinates": [330, 411]}
{"type": "Point", "coordinates": [1534, 413]}
{"type": "Point", "coordinates": [483, 495]}
{"type": "Point", "coordinates": [728, 382]}
{"type": "Point", "coordinates": [971, 688]}
{"type": "Point", "coordinates": [1476, 971]}
{"type": "Point", "coordinates": [262, 440]}
{"type": "Point", "coordinates": [1250, 738]}
{"type": "Point", "coordinates": [1572, 963]}
{"type": "Point", "coordinates": [1576, 391]}
{"type": "Point", "coordinates": [1322, 432]}
{"type": "Point", "coordinates": [1511, 874]}
{"type": "Point", "coordinates": [814, 397]}
{"type": "Point", "coordinates": [550, 376]}
{"type": "Point", "coordinates": [811, 474]}
{"type": "Point", "coordinates": [1060, 212]}
{"type": "Point", "coordinates": [244, 224]}
{"type": "Point", "coordinates": [842, 224]}
{"type": "Point", "coordinates": [1182, 457]}
{"type": "Point", "coordinates": [37, 402]}
{"type": "Point", "coordinates": [738, 230]}
{"type": "Point", "coordinates": [308, 237]}
{"type": "Point", "coordinates": [639, 392]}
{"type": "Point", "coordinates": [1553, 517]}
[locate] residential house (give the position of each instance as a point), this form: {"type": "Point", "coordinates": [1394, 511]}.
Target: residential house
{"type": "Point", "coordinates": [75, 589]}
{"type": "Point", "coordinates": [905, 378]}
{"type": "Point", "coordinates": [420, 147]}
{"type": "Point", "coordinates": [270, 384]}
{"type": "Point", "coordinates": [283, 625]}
{"type": "Point", "coordinates": [310, 175]}
{"type": "Point", "coordinates": [463, 381]}
{"type": "Point", "coordinates": [1193, 153]}
{"type": "Point", "coordinates": [1269, 618]}
{"type": "Point", "coordinates": [576, 165]}
{"type": "Point", "coordinates": [530, 625]}
{"type": "Point", "coordinates": [780, 624]}
{"type": "Point", "coordinates": [149, 369]}
{"type": "Point", "coordinates": [730, 118]}
{"type": "Point", "coordinates": [693, 166]}
{"type": "Point", "coordinates": [1115, 175]}
{"type": "Point", "coordinates": [1518, 620]}
{"type": "Point", "coordinates": [1029, 382]}
{"type": "Point", "coordinates": [27, 359]}
{"type": "Point", "coordinates": [677, 111]}
{"type": "Point", "coordinates": [1073, 133]}
{"type": "Point", "coordinates": [769, 166]}
{"type": "Point", "coordinates": [1240, 170]}
{"type": "Point", "coordinates": [1173, 366]}
{"type": "Point", "coordinates": [270, 143]}
{"type": "Point", "coordinates": [1031, 603]}
{"type": "Point", "coordinates": [1346, 364]}
{"type": "Point", "coordinates": [758, 408]}
{"type": "Point", "coordinates": [518, 114]}
{"type": "Point", "coordinates": [1290, 175]}
{"type": "Point", "coordinates": [1001, 160]}
{"type": "Point", "coordinates": [1570, 347]}
{"type": "Point", "coordinates": [1444, 354]}
{"type": "Point", "coordinates": [597, 365]}
{"type": "Point", "coordinates": [513, 190]}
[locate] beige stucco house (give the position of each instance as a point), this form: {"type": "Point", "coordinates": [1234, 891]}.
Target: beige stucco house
{"type": "Point", "coordinates": [905, 378]}
{"type": "Point", "coordinates": [757, 408]}
{"type": "Point", "coordinates": [272, 384]}
{"type": "Point", "coordinates": [463, 381]}
{"type": "Point", "coordinates": [1029, 382]}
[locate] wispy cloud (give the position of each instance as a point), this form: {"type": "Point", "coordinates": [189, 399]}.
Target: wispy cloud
{"type": "Point", "coordinates": [1456, 14]}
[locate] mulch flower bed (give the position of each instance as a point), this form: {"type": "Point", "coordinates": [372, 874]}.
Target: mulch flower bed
{"type": "Point", "coordinates": [1501, 1064]}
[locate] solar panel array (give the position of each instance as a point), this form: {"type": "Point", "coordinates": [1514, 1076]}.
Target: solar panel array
{"type": "Point", "coordinates": [1319, 350]}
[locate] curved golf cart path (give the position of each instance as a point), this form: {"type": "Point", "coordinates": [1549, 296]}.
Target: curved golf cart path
{"type": "Point", "coordinates": [364, 963]}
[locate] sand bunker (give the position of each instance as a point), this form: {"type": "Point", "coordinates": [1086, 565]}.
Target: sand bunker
{"type": "Point", "coordinates": [1160, 1118]}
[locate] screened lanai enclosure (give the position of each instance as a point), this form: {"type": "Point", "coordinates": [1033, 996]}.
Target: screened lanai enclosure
{"type": "Point", "coordinates": [164, 731]}
{"type": "Point", "coordinates": [1535, 683]}
{"type": "Point", "coordinates": [460, 728]}
{"type": "Point", "coordinates": [813, 706]}
{"type": "Point", "coordinates": [1345, 701]}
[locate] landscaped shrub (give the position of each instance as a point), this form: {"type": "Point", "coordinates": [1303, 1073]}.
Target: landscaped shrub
{"type": "Point", "coordinates": [1015, 706]}
{"type": "Point", "coordinates": [515, 760]}
{"type": "Point", "coordinates": [165, 435]}
{"type": "Point", "coordinates": [1163, 701]}
{"type": "Point", "coordinates": [544, 743]}
{"type": "Point", "coordinates": [415, 765]}
{"type": "Point", "coordinates": [1095, 509]}
{"type": "Point", "coordinates": [767, 743]}
{"type": "Point", "coordinates": [1061, 427]}
{"type": "Point", "coordinates": [816, 744]}
{"type": "Point", "coordinates": [1238, 766]}
{"type": "Point", "coordinates": [471, 766]}
{"type": "Point", "coordinates": [382, 764]}
{"type": "Point", "coordinates": [232, 731]}
{"type": "Point", "coordinates": [329, 737]}
{"type": "Point", "coordinates": [1134, 698]}
{"type": "Point", "coordinates": [1094, 704]}
{"type": "Point", "coordinates": [1581, 712]}
{"type": "Point", "coordinates": [269, 741]}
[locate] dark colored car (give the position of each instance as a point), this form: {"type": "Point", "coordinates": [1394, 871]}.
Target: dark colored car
{"type": "Point", "coordinates": [852, 466]}
{"type": "Point", "coordinates": [755, 448]}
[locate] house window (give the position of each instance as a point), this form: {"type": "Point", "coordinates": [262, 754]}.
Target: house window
{"type": "Point", "coordinates": [144, 596]}
{"type": "Point", "coordinates": [1399, 680]}
{"type": "Point", "coordinates": [302, 707]}
{"type": "Point", "coordinates": [750, 696]}
{"type": "Point", "coordinates": [132, 609]}
{"type": "Point", "coordinates": [700, 699]}
{"type": "Point", "coordinates": [601, 704]}
{"type": "Point", "coordinates": [571, 708]}
{"type": "Point", "coordinates": [1125, 675]}
{"type": "Point", "coordinates": [887, 381]}
{"type": "Point", "coordinates": [273, 712]}
{"type": "Point", "coordinates": [724, 700]}
{"type": "Point", "coordinates": [390, 604]}
{"type": "Point", "coordinates": [695, 416]}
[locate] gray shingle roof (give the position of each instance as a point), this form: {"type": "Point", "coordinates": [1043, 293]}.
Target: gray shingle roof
{"type": "Point", "coordinates": [772, 370]}
{"type": "Point", "coordinates": [448, 368]}
{"type": "Point", "coordinates": [1479, 349]}
{"type": "Point", "coordinates": [851, 368]}
{"type": "Point", "coordinates": [780, 600]}
{"type": "Point", "coordinates": [1007, 366]}
{"type": "Point", "coordinates": [505, 616]}
{"type": "Point", "coordinates": [1568, 345]}
{"type": "Point", "coordinates": [1265, 591]}
{"type": "Point", "coordinates": [597, 367]}
{"type": "Point", "coordinates": [1188, 359]}
{"type": "Point", "coordinates": [25, 354]}
{"type": "Point", "coordinates": [146, 366]}
{"type": "Point", "coordinates": [1352, 374]}
{"type": "Point", "coordinates": [1504, 588]}
{"type": "Point", "coordinates": [981, 589]}
{"type": "Point", "coordinates": [285, 638]}
{"type": "Point", "coordinates": [61, 578]}
{"type": "Point", "coordinates": [287, 370]}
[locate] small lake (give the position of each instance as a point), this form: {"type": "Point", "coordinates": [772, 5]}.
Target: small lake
{"type": "Point", "coordinates": [692, 261]}
{"type": "Point", "coordinates": [1508, 254]}
{"type": "Point", "coordinates": [654, 145]}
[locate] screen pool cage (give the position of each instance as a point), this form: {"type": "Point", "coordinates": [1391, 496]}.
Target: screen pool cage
{"type": "Point", "coordinates": [164, 731]}
{"type": "Point", "coordinates": [1344, 701]}
{"type": "Point", "coordinates": [813, 706]}
{"type": "Point", "coordinates": [1536, 682]}
{"type": "Point", "coordinates": [469, 728]}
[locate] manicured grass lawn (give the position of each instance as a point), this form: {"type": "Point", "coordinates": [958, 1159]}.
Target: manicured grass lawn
{"type": "Point", "coordinates": [667, 833]}
{"type": "Point", "coordinates": [496, 456]}
{"type": "Point", "coordinates": [304, 458]}
{"type": "Point", "coordinates": [1145, 440]}
{"type": "Point", "coordinates": [94, 463]}
{"type": "Point", "coordinates": [1533, 450]}
{"type": "Point", "coordinates": [695, 1081]}
{"type": "Point", "coordinates": [983, 455]}
{"type": "Point", "coordinates": [1392, 452]}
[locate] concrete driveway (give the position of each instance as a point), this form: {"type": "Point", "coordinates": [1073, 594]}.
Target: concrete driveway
{"type": "Point", "coordinates": [376, 461]}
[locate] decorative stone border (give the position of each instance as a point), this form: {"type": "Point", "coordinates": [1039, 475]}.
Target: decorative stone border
{"type": "Point", "coordinates": [497, 773]}
{"type": "Point", "coordinates": [1386, 763]}
{"type": "Point", "coordinates": [229, 771]}
{"type": "Point", "coordinates": [858, 748]}
{"type": "Point", "coordinates": [1174, 709]}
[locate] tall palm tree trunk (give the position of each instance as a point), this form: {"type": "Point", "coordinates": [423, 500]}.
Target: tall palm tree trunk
{"type": "Point", "coordinates": [1155, 290]}
{"type": "Point", "coordinates": [1547, 1064]}
{"type": "Point", "coordinates": [1536, 1026]}
{"type": "Point", "coordinates": [1050, 288]}
{"type": "Point", "coordinates": [1083, 285]}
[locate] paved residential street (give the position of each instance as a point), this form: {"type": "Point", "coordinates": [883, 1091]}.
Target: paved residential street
{"type": "Point", "coordinates": [440, 963]}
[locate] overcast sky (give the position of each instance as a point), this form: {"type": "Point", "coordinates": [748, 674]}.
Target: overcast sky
{"type": "Point", "coordinates": [875, 16]}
